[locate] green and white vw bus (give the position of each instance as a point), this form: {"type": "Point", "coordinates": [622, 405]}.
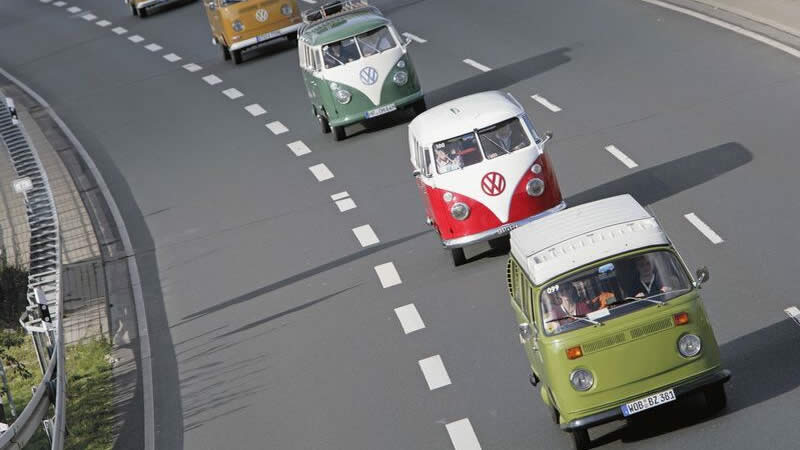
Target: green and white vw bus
{"type": "Point", "coordinates": [355, 65]}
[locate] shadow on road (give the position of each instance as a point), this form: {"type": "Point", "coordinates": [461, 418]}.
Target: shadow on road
{"type": "Point", "coordinates": [763, 365]}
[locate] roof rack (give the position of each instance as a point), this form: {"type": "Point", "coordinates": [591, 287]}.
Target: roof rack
{"type": "Point", "coordinates": [334, 8]}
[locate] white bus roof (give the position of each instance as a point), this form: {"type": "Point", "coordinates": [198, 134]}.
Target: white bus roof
{"type": "Point", "coordinates": [462, 115]}
{"type": "Point", "coordinates": [577, 236]}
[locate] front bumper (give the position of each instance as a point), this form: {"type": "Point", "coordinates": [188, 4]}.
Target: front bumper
{"type": "Point", "coordinates": [149, 3]}
{"type": "Point", "coordinates": [359, 117]}
{"type": "Point", "coordinates": [265, 37]}
{"type": "Point", "coordinates": [499, 231]}
{"type": "Point", "coordinates": [610, 415]}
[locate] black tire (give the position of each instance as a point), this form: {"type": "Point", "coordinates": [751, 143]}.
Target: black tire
{"type": "Point", "coordinates": [134, 11]}
{"type": "Point", "coordinates": [339, 133]}
{"type": "Point", "coordinates": [237, 56]}
{"type": "Point", "coordinates": [324, 126]}
{"type": "Point", "coordinates": [458, 256]}
{"type": "Point", "coordinates": [555, 415]}
{"type": "Point", "coordinates": [419, 107]}
{"type": "Point", "coordinates": [226, 54]}
{"type": "Point", "coordinates": [143, 12]}
{"type": "Point", "coordinates": [716, 399]}
{"type": "Point", "coordinates": [580, 439]}
{"type": "Point", "coordinates": [291, 37]}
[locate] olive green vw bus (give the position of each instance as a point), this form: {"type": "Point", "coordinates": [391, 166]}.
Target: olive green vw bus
{"type": "Point", "coordinates": [610, 319]}
{"type": "Point", "coordinates": [355, 65]}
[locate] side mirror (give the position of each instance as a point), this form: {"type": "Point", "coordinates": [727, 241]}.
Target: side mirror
{"type": "Point", "coordinates": [407, 42]}
{"type": "Point", "coordinates": [702, 276]}
{"type": "Point", "coordinates": [416, 173]}
{"type": "Point", "coordinates": [547, 136]}
{"type": "Point", "coordinates": [212, 5]}
{"type": "Point", "coordinates": [525, 331]}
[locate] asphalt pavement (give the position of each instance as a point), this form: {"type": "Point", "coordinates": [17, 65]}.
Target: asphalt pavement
{"type": "Point", "coordinates": [269, 325]}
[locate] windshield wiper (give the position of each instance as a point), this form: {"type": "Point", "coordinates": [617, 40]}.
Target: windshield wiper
{"type": "Point", "coordinates": [629, 300]}
{"type": "Point", "coordinates": [370, 46]}
{"type": "Point", "coordinates": [496, 144]}
{"type": "Point", "coordinates": [570, 316]}
{"type": "Point", "coordinates": [328, 53]}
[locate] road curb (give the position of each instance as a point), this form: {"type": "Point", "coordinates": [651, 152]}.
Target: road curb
{"type": "Point", "coordinates": [750, 16]}
{"type": "Point", "coordinates": [145, 363]}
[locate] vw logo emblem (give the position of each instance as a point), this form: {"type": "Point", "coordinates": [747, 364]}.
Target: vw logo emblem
{"type": "Point", "coordinates": [369, 75]}
{"type": "Point", "coordinates": [262, 15]}
{"type": "Point", "coordinates": [493, 184]}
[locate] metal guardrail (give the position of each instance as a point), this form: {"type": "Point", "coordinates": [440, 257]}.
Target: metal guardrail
{"type": "Point", "coordinates": [44, 289]}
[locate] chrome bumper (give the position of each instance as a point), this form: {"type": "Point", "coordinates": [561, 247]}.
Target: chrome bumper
{"type": "Point", "coordinates": [499, 231]}
{"type": "Point", "coordinates": [148, 3]}
{"type": "Point", "coordinates": [254, 40]}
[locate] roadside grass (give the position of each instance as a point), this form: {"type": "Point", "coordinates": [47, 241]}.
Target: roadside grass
{"type": "Point", "coordinates": [89, 391]}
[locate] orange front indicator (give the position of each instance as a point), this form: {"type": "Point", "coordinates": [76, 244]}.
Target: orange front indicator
{"type": "Point", "coordinates": [574, 352]}
{"type": "Point", "coordinates": [681, 318]}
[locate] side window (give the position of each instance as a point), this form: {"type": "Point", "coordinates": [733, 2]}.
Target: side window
{"type": "Point", "coordinates": [527, 302]}
{"type": "Point", "coordinates": [301, 55]}
{"type": "Point", "coordinates": [317, 60]}
{"type": "Point", "coordinates": [518, 294]}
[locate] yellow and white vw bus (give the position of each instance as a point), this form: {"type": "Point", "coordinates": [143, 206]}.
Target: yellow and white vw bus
{"type": "Point", "coordinates": [239, 25]}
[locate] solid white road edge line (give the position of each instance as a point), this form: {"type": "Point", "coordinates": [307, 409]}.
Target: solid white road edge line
{"type": "Point", "coordinates": [415, 38]}
{"type": "Point", "coordinates": [728, 26]}
{"type": "Point", "coordinates": [462, 435]}
{"type": "Point", "coordinates": [409, 318]}
{"type": "Point", "coordinates": [434, 372]}
{"type": "Point", "coordinates": [703, 228]}
{"type": "Point", "coordinates": [366, 235]}
{"type": "Point", "coordinates": [546, 103]}
{"type": "Point", "coordinates": [624, 159]}
{"type": "Point", "coordinates": [277, 128]}
{"type": "Point", "coordinates": [477, 65]}
{"type": "Point", "coordinates": [321, 172]}
{"type": "Point", "coordinates": [298, 148]}
{"type": "Point", "coordinates": [387, 274]}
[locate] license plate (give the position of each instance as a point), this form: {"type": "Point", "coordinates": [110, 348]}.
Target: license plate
{"type": "Point", "coordinates": [648, 402]}
{"type": "Point", "coordinates": [505, 229]}
{"type": "Point", "coordinates": [380, 111]}
{"type": "Point", "coordinates": [267, 36]}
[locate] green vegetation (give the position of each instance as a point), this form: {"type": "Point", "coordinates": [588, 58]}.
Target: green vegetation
{"type": "Point", "coordinates": [89, 386]}
{"type": "Point", "coordinates": [22, 370]}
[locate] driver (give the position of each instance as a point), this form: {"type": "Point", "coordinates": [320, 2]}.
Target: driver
{"type": "Point", "coordinates": [646, 281]}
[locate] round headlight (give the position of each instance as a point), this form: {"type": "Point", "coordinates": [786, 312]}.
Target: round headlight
{"type": "Point", "coordinates": [447, 197]}
{"type": "Point", "coordinates": [400, 77]}
{"type": "Point", "coordinates": [689, 345]}
{"type": "Point", "coordinates": [342, 96]}
{"type": "Point", "coordinates": [286, 10]}
{"type": "Point", "coordinates": [237, 26]}
{"type": "Point", "coordinates": [536, 168]}
{"type": "Point", "coordinates": [581, 379]}
{"type": "Point", "coordinates": [401, 64]}
{"type": "Point", "coordinates": [459, 211]}
{"type": "Point", "coordinates": [535, 187]}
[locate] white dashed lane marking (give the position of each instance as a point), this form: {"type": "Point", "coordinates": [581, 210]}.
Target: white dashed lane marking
{"type": "Point", "coordinates": [119, 30]}
{"type": "Point", "coordinates": [59, 4]}
{"type": "Point", "coordinates": [136, 38]}
{"type": "Point", "coordinates": [321, 172]}
{"type": "Point", "coordinates": [103, 23]}
{"type": "Point", "coordinates": [255, 110]}
{"type": "Point", "coordinates": [434, 371]}
{"type": "Point", "coordinates": [343, 201]}
{"type": "Point", "coordinates": [546, 103]}
{"type": "Point", "coordinates": [388, 275]}
{"type": "Point", "coordinates": [624, 159]}
{"type": "Point", "coordinates": [192, 67]}
{"type": "Point", "coordinates": [415, 38]}
{"type": "Point", "coordinates": [212, 79]}
{"type": "Point", "coordinates": [73, 9]}
{"type": "Point", "coordinates": [89, 17]}
{"type": "Point", "coordinates": [232, 93]}
{"type": "Point", "coordinates": [298, 148]}
{"type": "Point", "coordinates": [794, 313]}
{"type": "Point", "coordinates": [365, 235]}
{"type": "Point", "coordinates": [153, 47]}
{"type": "Point", "coordinates": [703, 228]}
{"type": "Point", "coordinates": [172, 57]}
{"type": "Point", "coordinates": [477, 65]}
{"type": "Point", "coordinates": [277, 128]}
{"type": "Point", "coordinates": [409, 318]}
{"type": "Point", "coordinates": [311, 2]}
{"type": "Point", "coordinates": [45, 1]}
{"type": "Point", "coordinates": [462, 435]}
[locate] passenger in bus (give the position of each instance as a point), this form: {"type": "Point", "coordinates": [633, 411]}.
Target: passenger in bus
{"type": "Point", "coordinates": [647, 281]}
{"type": "Point", "coordinates": [446, 163]}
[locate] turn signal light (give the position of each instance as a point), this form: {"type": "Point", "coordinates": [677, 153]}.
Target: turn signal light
{"type": "Point", "coordinates": [681, 318]}
{"type": "Point", "coordinates": [574, 352]}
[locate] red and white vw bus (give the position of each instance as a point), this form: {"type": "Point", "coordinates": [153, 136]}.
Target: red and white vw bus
{"type": "Point", "coordinates": [481, 169]}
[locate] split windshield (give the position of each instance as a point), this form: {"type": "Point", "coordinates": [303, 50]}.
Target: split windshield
{"type": "Point", "coordinates": [497, 140]}
{"type": "Point", "coordinates": [612, 290]}
{"type": "Point", "coordinates": [354, 48]}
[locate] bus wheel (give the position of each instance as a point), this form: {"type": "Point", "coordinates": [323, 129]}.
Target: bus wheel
{"type": "Point", "coordinates": [143, 12]}
{"type": "Point", "coordinates": [134, 11]}
{"type": "Point", "coordinates": [237, 56]}
{"type": "Point", "coordinates": [420, 106]}
{"type": "Point", "coordinates": [580, 439]}
{"type": "Point", "coordinates": [501, 243]}
{"type": "Point", "coordinates": [324, 126]}
{"type": "Point", "coordinates": [339, 133]}
{"type": "Point", "coordinates": [458, 256]}
{"type": "Point", "coordinates": [715, 397]}
{"type": "Point", "coordinates": [226, 54]}
{"type": "Point", "coordinates": [291, 37]}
